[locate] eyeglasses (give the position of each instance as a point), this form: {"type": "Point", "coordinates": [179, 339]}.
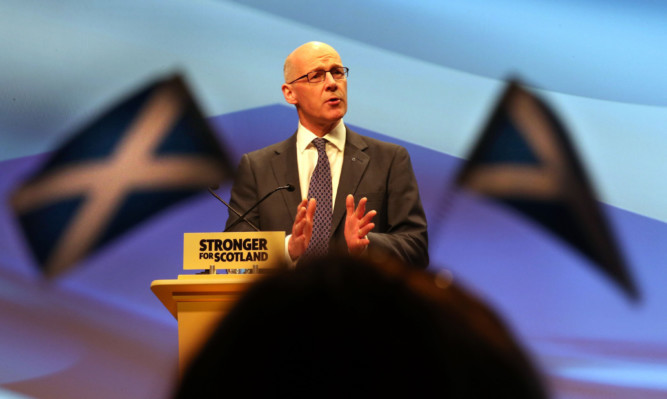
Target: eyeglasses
{"type": "Point", "coordinates": [338, 73]}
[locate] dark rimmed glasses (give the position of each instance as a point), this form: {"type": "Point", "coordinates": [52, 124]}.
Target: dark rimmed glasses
{"type": "Point", "coordinates": [338, 73]}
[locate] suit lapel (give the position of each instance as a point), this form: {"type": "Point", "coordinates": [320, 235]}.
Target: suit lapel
{"type": "Point", "coordinates": [355, 162]}
{"type": "Point", "coordinates": [286, 171]}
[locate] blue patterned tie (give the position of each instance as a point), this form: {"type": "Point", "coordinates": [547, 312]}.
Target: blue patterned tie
{"type": "Point", "coordinates": [320, 189]}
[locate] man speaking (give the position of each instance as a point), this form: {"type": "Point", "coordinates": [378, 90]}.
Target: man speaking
{"type": "Point", "coordinates": [331, 167]}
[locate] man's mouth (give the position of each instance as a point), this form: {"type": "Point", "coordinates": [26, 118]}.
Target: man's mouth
{"type": "Point", "coordinates": [333, 101]}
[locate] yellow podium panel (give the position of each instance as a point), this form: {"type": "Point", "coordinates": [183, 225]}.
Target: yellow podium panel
{"type": "Point", "coordinates": [245, 250]}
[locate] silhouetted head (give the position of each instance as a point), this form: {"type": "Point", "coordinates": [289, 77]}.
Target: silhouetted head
{"type": "Point", "coordinates": [340, 327]}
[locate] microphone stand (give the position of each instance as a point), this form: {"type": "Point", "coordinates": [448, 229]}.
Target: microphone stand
{"type": "Point", "coordinates": [240, 217]}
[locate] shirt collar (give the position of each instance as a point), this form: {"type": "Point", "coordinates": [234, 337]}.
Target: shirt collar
{"type": "Point", "coordinates": [336, 137]}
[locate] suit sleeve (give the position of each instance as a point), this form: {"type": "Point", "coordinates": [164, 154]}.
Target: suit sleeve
{"type": "Point", "coordinates": [405, 232]}
{"type": "Point", "coordinates": [243, 196]}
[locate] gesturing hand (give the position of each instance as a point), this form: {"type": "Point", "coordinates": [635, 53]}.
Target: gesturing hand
{"type": "Point", "coordinates": [302, 229]}
{"type": "Point", "coordinates": [357, 225]}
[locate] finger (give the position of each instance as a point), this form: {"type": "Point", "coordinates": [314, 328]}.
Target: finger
{"type": "Point", "coordinates": [307, 230]}
{"type": "Point", "coordinates": [310, 211]}
{"type": "Point", "coordinates": [302, 204]}
{"type": "Point", "coordinates": [300, 210]}
{"type": "Point", "coordinates": [297, 227]}
{"type": "Point", "coordinates": [365, 230]}
{"type": "Point", "coordinates": [300, 214]}
{"type": "Point", "coordinates": [349, 204]}
{"type": "Point", "coordinates": [368, 217]}
{"type": "Point", "coordinates": [361, 208]}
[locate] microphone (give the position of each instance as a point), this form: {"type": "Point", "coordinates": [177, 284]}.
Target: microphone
{"type": "Point", "coordinates": [242, 218]}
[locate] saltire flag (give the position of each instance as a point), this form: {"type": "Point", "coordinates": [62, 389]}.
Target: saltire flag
{"type": "Point", "coordinates": [525, 160]}
{"type": "Point", "coordinates": [143, 155]}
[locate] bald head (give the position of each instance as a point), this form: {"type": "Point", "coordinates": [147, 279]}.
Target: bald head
{"type": "Point", "coordinates": [294, 63]}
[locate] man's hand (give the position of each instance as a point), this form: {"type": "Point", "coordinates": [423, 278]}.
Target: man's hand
{"type": "Point", "coordinates": [302, 229]}
{"type": "Point", "coordinates": [357, 225]}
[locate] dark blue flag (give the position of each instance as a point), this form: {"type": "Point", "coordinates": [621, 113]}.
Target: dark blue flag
{"type": "Point", "coordinates": [525, 160]}
{"type": "Point", "coordinates": [143, 155]}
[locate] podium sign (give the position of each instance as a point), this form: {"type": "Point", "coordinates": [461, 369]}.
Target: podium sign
{"type": "Point", "coordinates": [246, 250]}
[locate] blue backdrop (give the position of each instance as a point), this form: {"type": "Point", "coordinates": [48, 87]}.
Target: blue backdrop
{"type": "Point", "coordinates": [424, 74]}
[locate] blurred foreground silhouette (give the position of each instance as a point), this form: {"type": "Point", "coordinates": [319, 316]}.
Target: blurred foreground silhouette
{"type": "Point", "coordinates": [341, 326]}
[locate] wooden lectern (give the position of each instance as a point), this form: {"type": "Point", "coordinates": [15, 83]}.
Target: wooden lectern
{"type": "Point", "coordinates": [198, 302]}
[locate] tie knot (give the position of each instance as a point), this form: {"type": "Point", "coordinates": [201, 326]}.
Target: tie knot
{"type": "Point", "coordinates": [320, 143]}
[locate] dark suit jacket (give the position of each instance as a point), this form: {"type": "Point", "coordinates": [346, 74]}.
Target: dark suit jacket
{"type": "Point", "coordinates": [379, 171]}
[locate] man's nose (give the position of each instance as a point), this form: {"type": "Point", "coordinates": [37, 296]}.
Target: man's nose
{"type": "Point", "coordinates": [329, 81]}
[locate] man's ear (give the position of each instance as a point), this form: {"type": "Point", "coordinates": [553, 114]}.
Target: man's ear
{"type": "Point", "coordinates": [289, 94]}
